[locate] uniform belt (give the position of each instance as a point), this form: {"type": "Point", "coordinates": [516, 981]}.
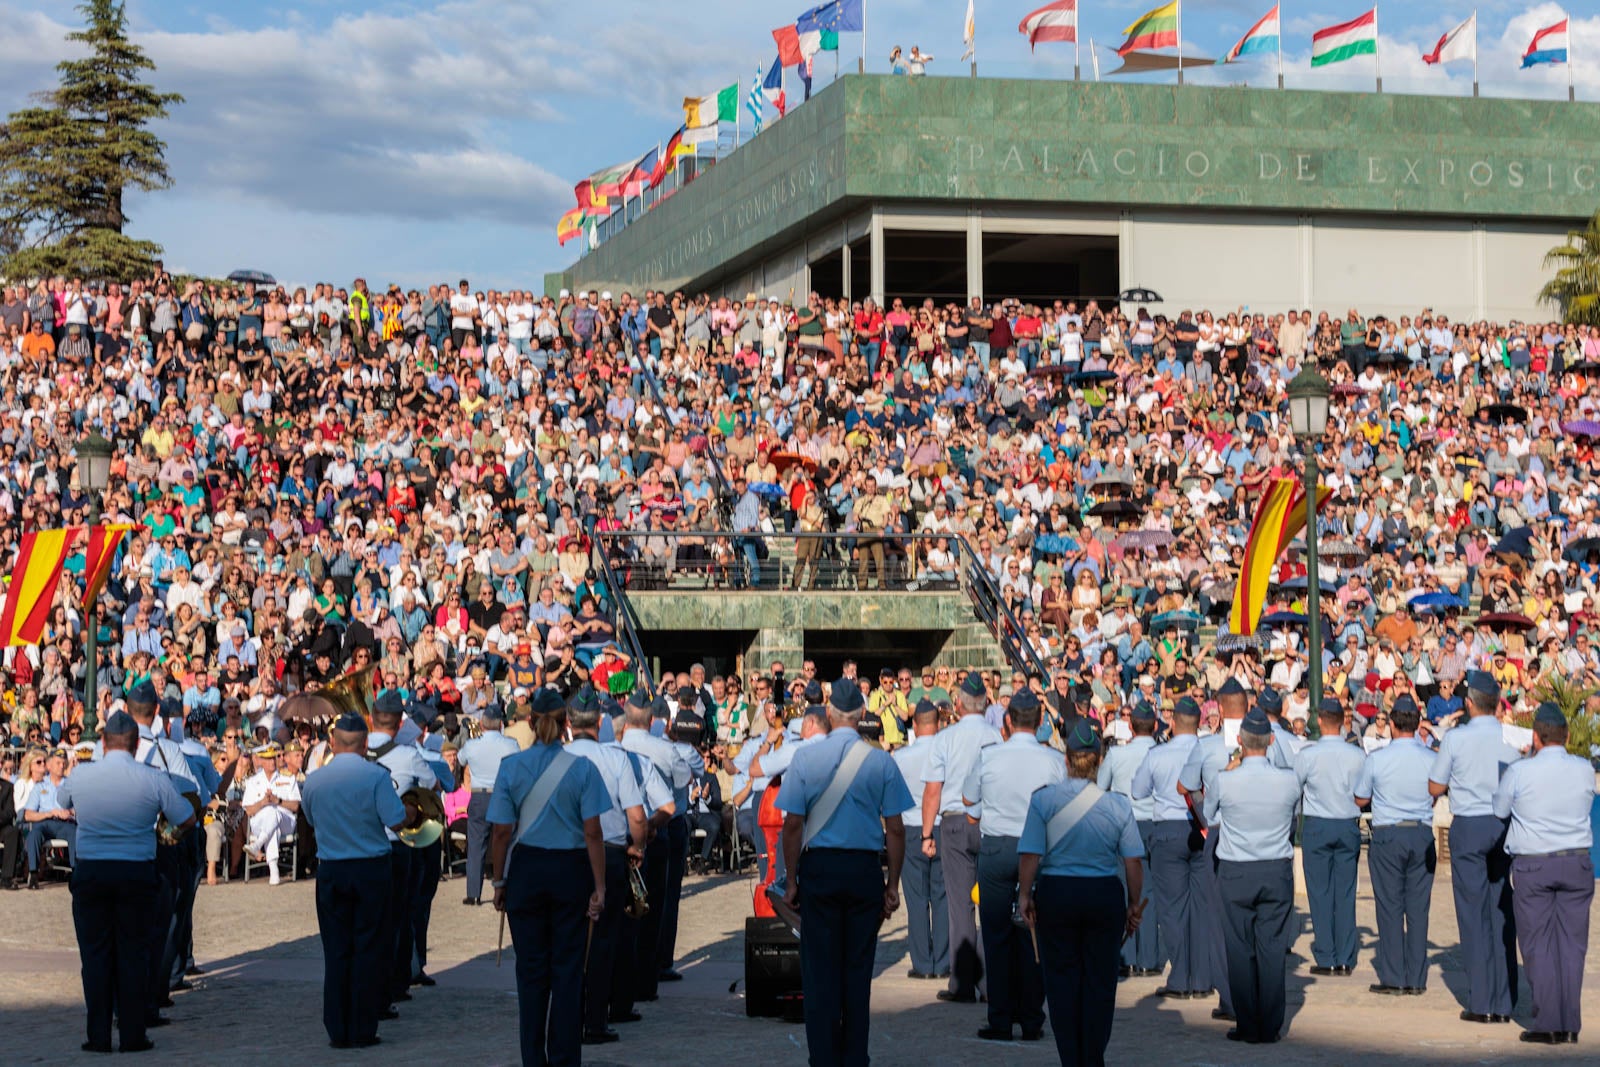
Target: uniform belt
{"type": "Point", "coordinates": [1553, 855]}
{"type": "Point", "coordinates": [1402, 824]}
{"type": "Point", "coordinates": [953, 811]}
{"type": "Point", "coordinates": [623, 847]}
{"type": "Point", "coordinates": [475, 792]}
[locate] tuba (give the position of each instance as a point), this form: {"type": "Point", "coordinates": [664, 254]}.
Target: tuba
{"type": "Point", "coordinates": [351, 691]}
{"type": "Point", "coordinates": [638, 897]}
{"type": "Point", "coordinates": [429, 818]}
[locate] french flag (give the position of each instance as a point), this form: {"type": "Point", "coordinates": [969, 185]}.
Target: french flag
{"type": "Point", "coordinates": [1549, 45]}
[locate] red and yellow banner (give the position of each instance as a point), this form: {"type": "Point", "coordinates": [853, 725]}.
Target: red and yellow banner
{"type": "Point", "coordinates": [98, 556]}
{"type": "Point", "coordinates": [32, 591]}
{"type": "Point", "coordinates": [1280, 517]}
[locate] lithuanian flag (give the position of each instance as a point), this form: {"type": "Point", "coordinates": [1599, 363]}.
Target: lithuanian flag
{"type": "Point", "coordinates": [1154, 29]}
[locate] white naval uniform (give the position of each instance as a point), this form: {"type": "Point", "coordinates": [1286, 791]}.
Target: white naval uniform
{"type": "Point", "coordinates": [273, 822]}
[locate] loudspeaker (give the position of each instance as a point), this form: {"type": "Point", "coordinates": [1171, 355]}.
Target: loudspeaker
{"type": "Point", "coordinates": [771, 969]}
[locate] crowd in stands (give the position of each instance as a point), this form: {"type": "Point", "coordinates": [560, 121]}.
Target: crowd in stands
{"type": "Point", "coordinates": [324, 478]}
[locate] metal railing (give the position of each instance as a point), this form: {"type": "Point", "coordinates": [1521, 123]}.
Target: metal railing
{"type": "Point", "coordinates": [671, 560]}
{"type": "Point", "coordinates": [627, 621]}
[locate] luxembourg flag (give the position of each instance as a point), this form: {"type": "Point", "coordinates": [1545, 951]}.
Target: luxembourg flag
{"type": "Point", "coordinates": [1263, 37]}
{"type": "Point", "coordinates": [1549, 45]}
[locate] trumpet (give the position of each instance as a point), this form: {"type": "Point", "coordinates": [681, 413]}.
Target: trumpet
{"type": "Point", "coordinates": [638, 897]}
{"type": "Point", "coordinates": [169, 833]}
{"type": "Point", "coordinates": [471, 727]}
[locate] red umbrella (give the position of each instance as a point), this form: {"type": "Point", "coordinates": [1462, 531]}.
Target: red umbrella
{"type": "Point", "coordinates": [1506, 620]}
{"type": "Point", "coordinates": [784, 460]}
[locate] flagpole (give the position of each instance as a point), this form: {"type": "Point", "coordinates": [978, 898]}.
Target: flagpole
{"type": "Point", "coordinates": [1180, 42]}
{"type": "Point", "coordinates": [1377, 50]}
{"type": "Point", "coordinates": [1474, 52]}
{"type": "Point", "coordinates": [863, 69]}
{"type": "Point", "coordinates": [1572, 92]}
{"type": "Point", "coordinates": [1077, 67]}
{"type": "Point", "coordinates": [736, 110]}
{"type": "Point", "coordinates": [1280, 46]}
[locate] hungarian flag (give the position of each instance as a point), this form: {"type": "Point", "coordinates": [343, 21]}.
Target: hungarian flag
{"type": "Point", "coordinates": [1154, 29]}
{"type": "Point", "coordinates": [98, 556]}
{"type": "Point", "coordinates": [1358, 37]}
{"type": "Point", "coordinates": [32, 591]}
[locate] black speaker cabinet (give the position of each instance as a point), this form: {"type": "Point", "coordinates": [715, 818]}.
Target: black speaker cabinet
{"type": "Point", "coordinates": [771, 969]}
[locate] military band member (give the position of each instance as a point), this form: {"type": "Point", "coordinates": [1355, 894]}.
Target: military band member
{"type": "Point", "coordinates": [352, 805]}
{"type": "Point", "coordinates": [637, 716]}
{"type": "Point", "coordinates": [922, 878]}
{"type": "Point", "coordinates": [1549, 799]}
{"type": "Point", "coordinates": [1330, 840]}
{"type": "Point", "coordinates": [1255, 803]}
{"type": "Point", "coordinates": [407, 769]}
{"type": "Point", "coordinates": [842, 799]}
{"type": "Point", "coordinates": [271, 799]}
{"type": "Point", "coordinates": [1141, 953]}
{"type": "Point", "coordinates": [685, 731]}
{"type": "Point", "coordinates": [955, 753]}
{"type": "Point", "coordinates": [1207, 760]}
{"type": "Point", "coordinates": [1471, 759]}
{"type": "Point", "coordinates": [624, 829]}
{"type": "Point", "coordinates": [115, 884]}
{"type": "Point", "coordinates": [659, 809]}
{"type": "Point", "coordinates": [548, 854]}
{"type": "Point", "coordinates": [1000, 786]}
{"type": "Point", "coordinates": [1076, 841]}
{"type": "Point", "coordinates": [1178, 859]}
{"type": "Point", "coordinates": [481, 756]}
{"type": "Point", "coordinates": [1402, 855]}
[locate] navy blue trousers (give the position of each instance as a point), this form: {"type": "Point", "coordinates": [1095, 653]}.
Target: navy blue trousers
{"type": "Point", "coordinates": [428, 864]}
{"type": "Point", "coordinates": [841, 908]}
{"type": "Point", "coordinates": [1331, 853]}
{"type": "Point", "coordinates": [927, 917]}
{"type": "Point", "coordinates": [1016, 985]}
{"type": "Point", "coordinates": [958, 859]}
{"type": "Point", "coordinates": [403, 873]}
{"type": "Point", "coordinates": [354, 953]}
{"type": "Point", "coordinates": [1552, 906]}
{"type": "Point", "coordinates": [111, 905]}
{"type": "Point", "coordinates": [1211, 906]}
{"type": "Point", "coordinates": [1478, 869]}
{"type": "Point", "coordinates": [1143, 949]}
{"type": "Point", "coordinates": [1401, 860]}
{"type": "Point", "coordinates": [547, 893]}
{"type": "Point", "coordinates": [677, 859]}
{"type": "Point", "coordinates": [1080, 932]}
{"type": "Point", "coordinates": [477, 841]}
{"type": "Point", "coordinates": [646, 972]}
{"type": "Point", "coordinates": [169, 868]}
{"type": "Point", "coordinates": [1178, 873]}
{"type": "Point", "coordinates": [603, 950]}
{"type": "Point", "coordinates": [1257, 907]}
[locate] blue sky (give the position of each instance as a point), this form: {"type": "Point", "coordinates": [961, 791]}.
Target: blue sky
{"type": "Point", "coordinates": [427, 140]}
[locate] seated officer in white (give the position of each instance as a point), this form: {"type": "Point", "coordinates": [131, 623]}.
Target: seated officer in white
{"type": "Point", "coordinates": [1548, 799]}
{"type": "Point", "coordinates": [1255, 803]}
{"type": "Point", "coordinates": [114, 882]}
{"type": "Point", "coordinates": [842, 799]}
{"type": "Point", "coordinates": [271, 798]}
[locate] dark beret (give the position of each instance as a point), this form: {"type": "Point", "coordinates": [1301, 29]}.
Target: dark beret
{"type": "Point", "coordinates": [1023, 700]}
{"type": "Point", "coordinates": [973, 686]}
{"type": "Point", "coordinates": [925, 707]}
{"type": "Point", "coordinates": [1083, 737]}
{"type": "Point", "coordinates": [494, 713]}
{"type": "Point", "coordinates": [1269, 700]}
{"type": "Point", "coordinates": [813, 693]}
{"type": "Point", "coordinates": [845, 696]}
{"type": "Point", "coordinates": [390, 702]}
{"type": "Point", "coordinates": [639, 699]}
{"type": "Point", "coordinates": [1548, 714]}
{"type": "Point", "coordinates": [1231, 688]}
{"type": "Point", "coordinates": [1483, 682]}
{"type": "Point", "coordinates": [548, 702]}
{"type": "Point", "coordinates": [1256, 723]}
{"type": "Point", "coordinates": [585, 699]}
{"type": "Point", "coordinates": [351, 723]}
{"type": "Point", "coordinates": [144, 693]}
{"type": "Point", "coordinates": [118, 724]}
{"type": "Point", "coordinates": [1330, 706]}
{"type": "Point", "coordinates": [1403, 702]}
{"type": "Point", "coordinates": [1142, 712]}
{"type": "Point", "coordinates": [1186, 706]}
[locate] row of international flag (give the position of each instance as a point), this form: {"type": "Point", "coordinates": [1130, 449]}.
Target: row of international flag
{"type": "Point", "coordinates": [706, 118]}
{"type": "Point", "coordinates": [41, 557]}
{"type": "Point", "coordinates": [1162, 27]}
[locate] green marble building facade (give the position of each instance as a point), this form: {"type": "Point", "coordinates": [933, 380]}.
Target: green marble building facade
{"type": "Point", "coordinates": [1309, 198]}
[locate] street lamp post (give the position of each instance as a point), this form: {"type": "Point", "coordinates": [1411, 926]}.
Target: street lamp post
{"type": "Point", "coordinates": [94, 473]}
{"type": "Point", "coordinates": [1308, 417]}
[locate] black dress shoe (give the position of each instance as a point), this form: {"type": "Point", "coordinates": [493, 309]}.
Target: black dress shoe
{"type": "Point", "coordinates": [914, 973]}
{"type": "Point", "coordinates": [600, 1037]}
{"type": "Point", "coordinates": [1414, 991]}
{"type": "Point", "coordinates": [625, 1017]}
{"type": "Point", "coordinates": [165, 1002]}
{"type": "Point", "coordinates": [340, 1044]}
{"type": "Point", "coordinates": [156, 1023]}
{"type": "Point", "coordinates": [389, 1013]}
{"type": "Point", "coordinates": [651, 999]}
{"type": "Point", "coordinates": [945, 974]}
{"type": "Point", "coordinates": [1147, 972]}
{"type": "Point", "coordinates": [1223, 1016]}
{"type": "Point", "coordinates": [1540, 1037]}
{"type": "Point", "coordinates": [194, 972]}
{"type": "Point", "coordinates": [424, 979]}
{"type": "Point", "coordinates": [401, 997]}
{"type": "Point", "coordinates": [1387, 990]}
{"type": "Point", "coordinates": [1124, 971]}
{"type": "Point", "coordinates": [368, 1042]}
{"type": "Point", "coordinates": [1181, 994]}
{"type": "Point", "coordinates": [137, 1046]}
{"type": "Point", "coordinates": [471, 903]}
{"type": "Point", "coordinates": [92, 1046]}
{"type": "Point", "coordinates": [1033, 1035]}
{"type": "Point", "coordinates": [951, 997]}
{"type": "Point", "coordinates": [994, 1033]}
{"type": "Point", "coordinates": [669, 975]}
{"type": "Point", "coordinates": [1324, 971]}
{"type": "Point", "coordinates": [1482, 1017]}
{"type": "Point", "coordinates": [1568, 1037]}
{"type": "Point", "coordinates": [1238, 1035]}
{"type": "Point", "coordinates": [1344, 972]}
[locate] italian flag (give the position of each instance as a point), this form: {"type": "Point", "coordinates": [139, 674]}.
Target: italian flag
{"type": "Point", "coordinates": [1358, 37]}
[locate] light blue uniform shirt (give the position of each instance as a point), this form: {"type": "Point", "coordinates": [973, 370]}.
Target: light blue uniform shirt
{"type": "Point", "coordinates": [955, 753]}
{"type": "Point", "coordinates": [200, 765]}
{"type": "Point", "coordinates": [1206, 761]}
{"type": "Point", "coordinates": [912, 759]}
{"type": "Point", "coordinates": [1005, 779]}
{"type": "Point", "coordinates": [351, 802]}
{"type": "Point", "coordinates": [46, 796]}
{"type": "Point", "coordinates": [1095, 847]}
{"type": "Point", "coordinates": [580, 795]}
{"type": "Point", "coordinates": [664, 754]}
{"type": "Point", "coordinates": [166, 755]}
{"type": "Point", "coordinates": [620, 782]}
{"type": "Point", "coordinates": [1286, 745]}
{"type": "Point", "coordinates": [741, 763]}
{"type": "Point", "coordinates": [776, 761]}
{"type": "Point", "coordinates": [1119, 767]}
{"type": "Point", "coordinates": [482, 756]}
{"type": "Point", "coordinates": [877, 792]}
{"type": "Point", "coordinates": [1255, 803]}
{"type": "Point", "coordinates": [116, 801]}
{"type": "Point", "coordinates": [1157, 778]}
{"type": "Point", "coordinates": [1395, 779]}
{"type": "Point", "coordinates": [1472, 757]}
{"type": "Point", "coordinates": [652, 787]}
{"type": "Point", "coordinates": [405, 765]}
{"type": "Point", "coordinates": [1328, 772]}
{"type": "Point", "coordinates": [1548, 798]}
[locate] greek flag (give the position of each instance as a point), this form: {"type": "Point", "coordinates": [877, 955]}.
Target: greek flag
{"type": "Point", "coordinates": [755, 102]}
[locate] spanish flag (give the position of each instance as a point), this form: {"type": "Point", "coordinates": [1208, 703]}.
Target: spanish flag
{"type": "Point", "coordinates": [1279, 519]}
{"type": "Point", "coordinates": [98, 556]}
{"type": "Point", "coordinates": [32, 591]}
{"type": "Point", "coordinates": [570, 225]}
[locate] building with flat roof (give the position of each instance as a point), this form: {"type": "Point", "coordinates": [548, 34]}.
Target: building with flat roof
{"type": "Point", "coordinates": [949, 188]}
